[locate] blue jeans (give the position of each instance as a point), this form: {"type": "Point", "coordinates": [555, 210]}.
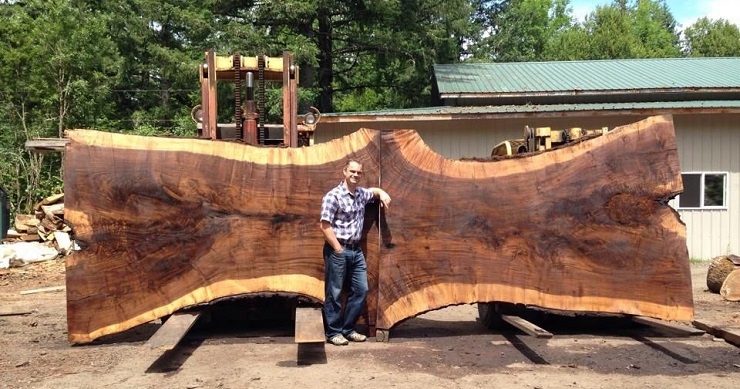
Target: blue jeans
{"type": "Point", "coordinates": [336, 268]}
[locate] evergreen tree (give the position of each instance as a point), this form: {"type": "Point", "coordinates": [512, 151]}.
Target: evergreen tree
{"type": "Point", "coordinates": [707, 38]}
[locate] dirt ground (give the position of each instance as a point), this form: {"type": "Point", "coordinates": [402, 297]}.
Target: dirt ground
{"type": "Point", "coordinates": [441, 349]}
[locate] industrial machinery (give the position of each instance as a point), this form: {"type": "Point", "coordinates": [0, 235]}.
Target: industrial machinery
{"type": "Point", "coordinates": [250, 75]}
{"type": "Point", "coordinates": [543, 138]}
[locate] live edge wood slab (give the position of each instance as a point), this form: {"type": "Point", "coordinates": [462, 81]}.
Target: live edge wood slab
{"type": "Point", "coordinates": [165, 224]}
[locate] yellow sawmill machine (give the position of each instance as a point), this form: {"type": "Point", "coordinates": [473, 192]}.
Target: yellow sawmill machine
{"type": "Point", "coordinates": [543, 138]}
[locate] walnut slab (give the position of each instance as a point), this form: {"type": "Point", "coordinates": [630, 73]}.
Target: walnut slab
{"type": "Point", "coordinates": [582, 228]}
{"type": "Point", "coordinates": [169, 223]}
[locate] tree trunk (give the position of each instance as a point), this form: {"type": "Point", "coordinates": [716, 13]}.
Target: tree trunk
{"type": "Point", "coordinates": [326, 60]}
{"type": "Point", "coordinates": [169, 223]}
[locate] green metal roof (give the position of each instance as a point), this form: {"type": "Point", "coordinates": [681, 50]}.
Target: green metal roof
{"type": "Point", "coordinates": [445, 112]}
{"type": "Point", "coordinates": [671, 74]}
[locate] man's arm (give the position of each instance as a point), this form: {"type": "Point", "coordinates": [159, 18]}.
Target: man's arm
{"type": "Point", "coordinates": [330, 236]}
{"type": "Point", "coordinates": [381, 195]}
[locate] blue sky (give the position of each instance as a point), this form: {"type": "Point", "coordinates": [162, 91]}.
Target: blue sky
{"type": "Point", "coordinates": [685, 11]}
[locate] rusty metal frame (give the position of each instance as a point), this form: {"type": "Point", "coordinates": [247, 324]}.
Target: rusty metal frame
{"type": "Point", "coordinates": [210, 74]}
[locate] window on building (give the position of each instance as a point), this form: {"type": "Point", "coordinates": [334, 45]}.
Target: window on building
{"type": "Point", "coordinates": [703, 190]}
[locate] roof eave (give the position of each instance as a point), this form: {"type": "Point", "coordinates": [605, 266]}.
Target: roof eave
{"type": "Point", "coordinates": [579, 92]}
{"type": "Point", "coordinates": [381, 118]}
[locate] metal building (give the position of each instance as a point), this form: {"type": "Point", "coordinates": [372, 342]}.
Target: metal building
{"type": "Point", "coordinates": [480, 105]}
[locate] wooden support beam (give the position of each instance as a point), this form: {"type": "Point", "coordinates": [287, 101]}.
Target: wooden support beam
{"type": "Point", "coordinates": [526, 326]}
{"type": "Point", "coordinates": [15, 311]}
{"type": "Point", "coordinates": [44, 290]}
{"type": "Point", "coordinates": [173, 330]}
{"type": "Point", "coordinates": [42, 145]}
{"type": "Point", "coordinates": [309, 325]}
{"type": "Point", "coordinates": [731, 335]}
{"type": "Point", "coordinates": [290, 103]}
{"type": "Point", "coordinates": [210, 103]}
{"type": "Point", "coordinates": [202, 127]}
{"type": "Point", "coordinates": [382, 335]}
{"type": "Point", "coordinates": [673, 328]}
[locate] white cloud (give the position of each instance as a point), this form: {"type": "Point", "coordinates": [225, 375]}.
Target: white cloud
{"type": "Point", "coordinates": [714, 9]}
{"type": "Point", "coordinates": [581, 11]}
{"type": "Point", "coordinates": [725, 9]}
{"type": "Point", "coordinates": [583, 8]}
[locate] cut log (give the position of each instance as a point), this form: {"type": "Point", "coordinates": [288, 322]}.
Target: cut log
{"type": "Point", "coordinates": [164, 224]}
{"type": "Point", "coordinates": [717, 272]}
{"type": "Point", "coordinates": [731, 287]}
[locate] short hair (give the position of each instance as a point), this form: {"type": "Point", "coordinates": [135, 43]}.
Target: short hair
{"type": "Point", "coordinates": [349, 161]}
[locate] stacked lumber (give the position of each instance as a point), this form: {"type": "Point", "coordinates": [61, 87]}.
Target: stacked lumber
{"type": "Point", "coordinates": [45, 225]}
{"type": "Point", "coordinates": [165, 224]}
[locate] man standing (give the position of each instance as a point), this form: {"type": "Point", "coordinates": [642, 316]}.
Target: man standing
{"type": "Point", "coordinates": [342, 217]}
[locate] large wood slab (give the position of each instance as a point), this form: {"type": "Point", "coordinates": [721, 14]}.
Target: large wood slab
{"type": "Point", "coordinates": [583, 228]}
{"type": "Point", "coordinates": [169, 223]}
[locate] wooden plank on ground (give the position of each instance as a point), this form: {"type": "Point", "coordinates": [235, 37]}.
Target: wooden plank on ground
{"type": "Point", "coordinates": [173, 330]}
{"type": "Point", "coordinates": [309, 325]}
{"type": "Point", "coordinates": [674, 328]}
{"type": "Point", "coordinates": [730, 335]}
{"type": "Point", "coordinates": [526, 326]}
{"type": "Point", "coordinates": [13, 311]}
{"type": "Point", "coordinates": [44, 290]}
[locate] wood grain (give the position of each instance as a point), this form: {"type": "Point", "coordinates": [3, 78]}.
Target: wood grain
{"type": "Point", "coordinates": [170, 223]}
{"type": "Point", "coordinates": [583, 228]}
{"type": "Point", "coordinates": [731, 287]}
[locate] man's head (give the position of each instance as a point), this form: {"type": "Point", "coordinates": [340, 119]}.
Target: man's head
{"type": "Point", "coordinates": [352, 173]}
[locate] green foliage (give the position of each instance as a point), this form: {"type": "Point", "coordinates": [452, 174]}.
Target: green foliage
{"type": "Point", "coordinates": [50, 75]}
{"type": "Point", "coordinates": [132, 66]}
{"type": "Point", "coordinates": [609, 34]}
{"type": "Point", "coordinates": [654, 27]}
{"type": "Point", "coordinates": [537, 30]}
{"type": "Point", "coordinates": [707, 38]}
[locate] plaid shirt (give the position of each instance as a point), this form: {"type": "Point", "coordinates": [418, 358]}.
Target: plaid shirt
{"type": "Point", "coordinates": [346, 212]}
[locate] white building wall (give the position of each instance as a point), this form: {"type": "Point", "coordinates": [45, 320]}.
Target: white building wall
{"type": "Point", "coordinates": [711, 143]}
{"type": "Point", "coordinates": [705, 143]}
{"type": "Point", "coordinates": [471, 138]}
